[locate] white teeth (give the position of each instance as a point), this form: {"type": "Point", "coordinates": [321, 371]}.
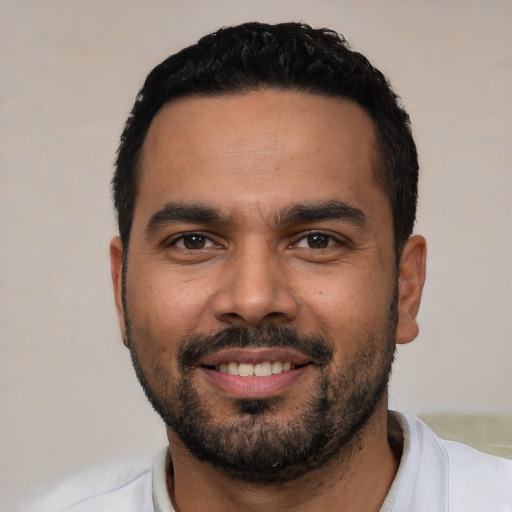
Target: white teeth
{"type": "Point", "coordinates": [233, 368]}
{"type": "Point", "coordinates": [263, 369]}
{"type": "Point", "coordinates": [245, 369]}
{"type": "Point", "coordinates": [277, 367]}
{"type": "Point", "coordinates": [259, 370]}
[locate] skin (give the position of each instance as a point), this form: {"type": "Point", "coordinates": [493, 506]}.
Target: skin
{"type": "Point", "coordinates": [252, 157]}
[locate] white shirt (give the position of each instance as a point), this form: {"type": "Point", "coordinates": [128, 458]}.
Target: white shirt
{"type": "Point", "coordinates": [434, 475]}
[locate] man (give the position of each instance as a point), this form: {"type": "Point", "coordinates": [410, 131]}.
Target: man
{"type": "Point", "coordinates": [266, 188]}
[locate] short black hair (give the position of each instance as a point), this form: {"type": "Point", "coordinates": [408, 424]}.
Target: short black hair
{"type": "Point", "coordinates": [286, 56]}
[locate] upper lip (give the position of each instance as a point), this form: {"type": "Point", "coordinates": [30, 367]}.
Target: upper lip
{"type": "Point", "coordinates": [255, 355]}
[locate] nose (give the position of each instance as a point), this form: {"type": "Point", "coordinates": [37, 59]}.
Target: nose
{"type": "Point", "coordinates": [254, 291]}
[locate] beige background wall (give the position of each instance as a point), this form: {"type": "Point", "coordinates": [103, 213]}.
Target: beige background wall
{"type": "Point", "coordinates": [69, 73]}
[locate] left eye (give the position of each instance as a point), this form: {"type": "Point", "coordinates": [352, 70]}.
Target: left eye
{"type": "Point", "coordinates": [193, 241]}
{"type": "Point", "coordinates": [316, 241]}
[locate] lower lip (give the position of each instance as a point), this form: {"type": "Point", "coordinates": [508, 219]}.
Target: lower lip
{"type": "Point", "coordinates": [255, 387]}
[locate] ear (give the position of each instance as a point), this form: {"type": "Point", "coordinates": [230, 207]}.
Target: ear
{"type": "Point", "coordinates": [116, 268]}
{"type": "Point", "coordinates": [410, 285]}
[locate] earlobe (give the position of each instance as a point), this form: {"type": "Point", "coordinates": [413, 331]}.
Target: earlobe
{"type": "Point", "coordinates": [411, 278]}
{"type": "Point", "coordinates": [116, 268]}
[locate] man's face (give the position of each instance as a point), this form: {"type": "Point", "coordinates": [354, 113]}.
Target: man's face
{"type": "Point", "coordinates": [261, 244]}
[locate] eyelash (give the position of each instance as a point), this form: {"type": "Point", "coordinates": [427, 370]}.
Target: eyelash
{"type": "Point", "coordinates": [331, 240]}
{"type": "Point", "coordinates": [184, 236]}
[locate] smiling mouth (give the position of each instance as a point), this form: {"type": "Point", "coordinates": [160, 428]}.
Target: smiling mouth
{"type": "Point", "coordinates": [255, 372]}
{"type": "Point", "coordinates": [263, 369]}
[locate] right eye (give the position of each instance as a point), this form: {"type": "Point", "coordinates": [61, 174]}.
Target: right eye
{"type": "Point", "coordinates": [193, 241]}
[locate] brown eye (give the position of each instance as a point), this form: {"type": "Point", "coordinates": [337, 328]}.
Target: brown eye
{"type": "Point", "coordinates": [318, 241]}
{"type": "Point", "coordinates": [193, 241]}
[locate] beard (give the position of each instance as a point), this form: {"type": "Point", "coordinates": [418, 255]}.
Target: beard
{"type": "Point", "coordinates": [253, 445]}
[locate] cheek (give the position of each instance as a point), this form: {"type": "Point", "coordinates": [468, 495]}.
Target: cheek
{"type": "Point", "coordinates": [347, 305]}
{"type": "Point", "coordinates": [164, 307]}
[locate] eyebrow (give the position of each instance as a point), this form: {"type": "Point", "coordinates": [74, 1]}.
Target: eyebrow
{"type": "Point", "coordinates": [319, 211]}
{"type": "Point", "coordinates": [297, 214]}
{"type": "Point", "coordinates": [181, 212]}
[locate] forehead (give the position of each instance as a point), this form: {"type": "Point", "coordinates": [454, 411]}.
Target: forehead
{"type": "Point", "coordinates": [258, 150]}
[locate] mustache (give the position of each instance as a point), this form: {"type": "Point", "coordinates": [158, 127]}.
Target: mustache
{"type": "Point", "coordinates": [195, 348]}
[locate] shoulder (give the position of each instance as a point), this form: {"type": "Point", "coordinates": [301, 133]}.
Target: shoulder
{"type": "Point", "coordinates": [472, 480]}
{"type": "Point", "coordinates": [476, 477]}
{"type": "Point", "coordinates": [125, 488]}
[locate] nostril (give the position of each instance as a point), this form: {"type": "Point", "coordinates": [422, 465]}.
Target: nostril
{"type": "Point", "coordinates": [233, 316]}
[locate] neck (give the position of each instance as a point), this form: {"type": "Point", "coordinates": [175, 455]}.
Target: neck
{"type": "Point", "coordinates": [357, 480]}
